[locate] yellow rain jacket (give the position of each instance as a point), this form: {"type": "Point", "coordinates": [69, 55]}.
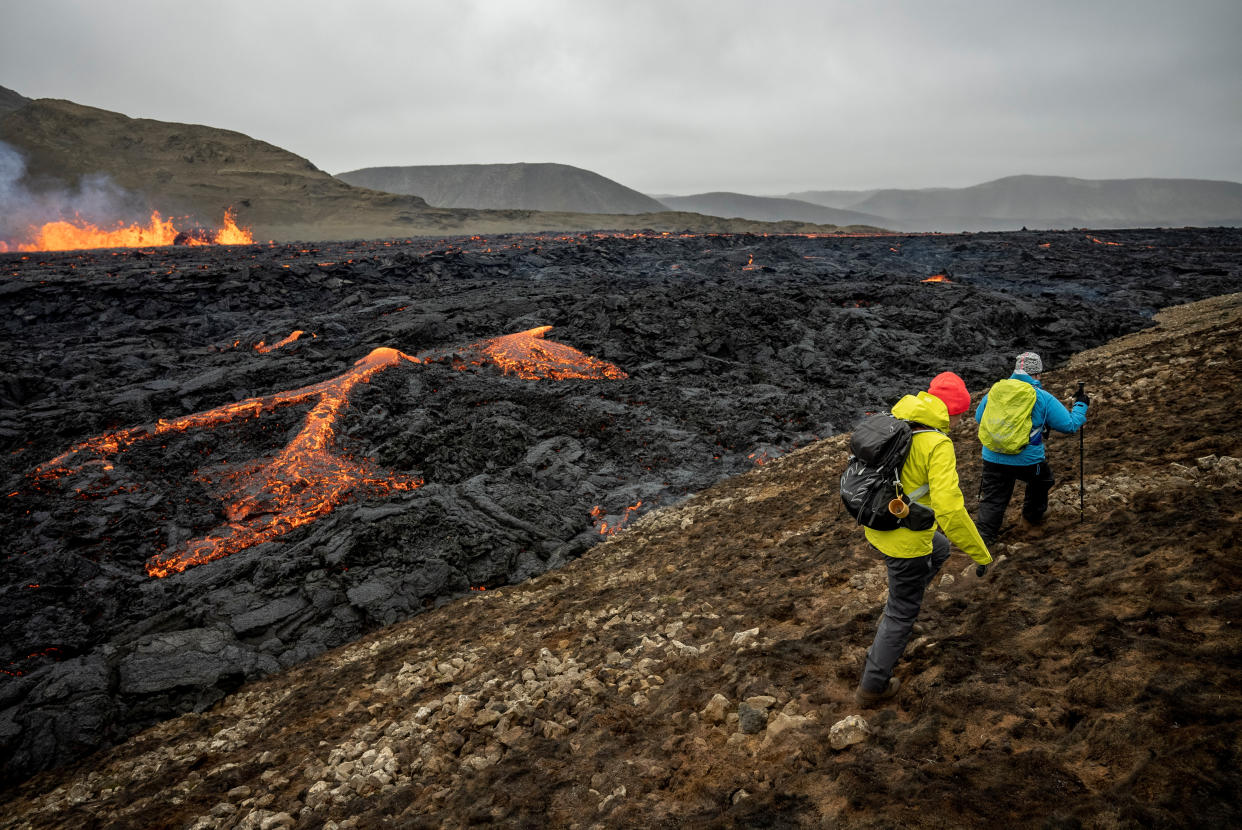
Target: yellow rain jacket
{"type": "Point", "coordinates": [931, 461]}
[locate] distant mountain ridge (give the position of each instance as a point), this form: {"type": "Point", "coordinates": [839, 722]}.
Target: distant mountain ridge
{"type": "Point", "coordinates": [768, 209]}
{"type": "Point", "coordinates": [522, 186]}
{"type": "Point", "coordinates": [1014, 202]}
{"type": "Point", "coordinates": [54, 147]}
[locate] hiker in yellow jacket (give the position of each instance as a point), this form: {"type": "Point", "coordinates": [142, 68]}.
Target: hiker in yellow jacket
{"type": "Point", "coordinates": [913, 558]}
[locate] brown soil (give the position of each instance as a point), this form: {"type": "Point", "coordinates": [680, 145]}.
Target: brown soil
{"type": "Point", "coordinates": [1091, 679]}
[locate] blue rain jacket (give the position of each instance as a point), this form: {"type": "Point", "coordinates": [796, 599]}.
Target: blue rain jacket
{"type": "Point", "coordinates": [1048, 412]}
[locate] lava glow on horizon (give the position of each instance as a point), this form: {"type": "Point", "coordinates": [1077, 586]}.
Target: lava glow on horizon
{"type": "Point", "coordinates": [267, 497]}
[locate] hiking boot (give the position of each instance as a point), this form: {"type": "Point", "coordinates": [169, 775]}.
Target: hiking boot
{"type": "Point", "coordinates": [868, 699]}
{"type": "Point", "coordinates": [1031, 529]}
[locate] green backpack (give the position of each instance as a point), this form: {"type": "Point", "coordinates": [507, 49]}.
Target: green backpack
{"type": "Point", "coordinates": [1006, 423]}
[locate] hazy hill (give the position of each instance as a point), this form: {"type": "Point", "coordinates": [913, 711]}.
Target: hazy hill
{"type": "Point", "coordinates": [109, 167]}
{"type": "Point", "coordinates": [843, 199]}
{"type": "Point", "coordinates": [10, 100]}
{"type": "Point", "coordinates": [185, 169]}
{"type": "Point", "coordinates": [1050, 202]}
{"type": "Point", "coordinates": [557, 187]}
{"type": "Point", "coordinates": [769, 209]}
{"type": "Point", "coordinates": [697, 670]}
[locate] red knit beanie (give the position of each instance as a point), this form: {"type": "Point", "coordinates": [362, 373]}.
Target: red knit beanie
{"type": "Point", "coordinates": [951, 389]}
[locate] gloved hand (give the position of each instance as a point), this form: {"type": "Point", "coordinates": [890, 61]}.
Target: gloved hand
{"type": "Point", "coordinates": [980, 570]}
{"type": "Point", "coordinates": [1081, 396]}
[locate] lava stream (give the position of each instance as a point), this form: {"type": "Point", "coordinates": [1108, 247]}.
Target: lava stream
{"type": "Point", "coordinates": [266, 498]}
{"type": "Point", "coordinates": [262, 348]}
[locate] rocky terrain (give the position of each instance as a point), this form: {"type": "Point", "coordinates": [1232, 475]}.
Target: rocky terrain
{"type": "Point", "coordinates": [697, 669]}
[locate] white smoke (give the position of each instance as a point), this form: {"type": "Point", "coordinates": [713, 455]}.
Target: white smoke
{"type": "Point", "coordinates": [24, 206]}
{"type": "Point", "coordinates": [12, 168]}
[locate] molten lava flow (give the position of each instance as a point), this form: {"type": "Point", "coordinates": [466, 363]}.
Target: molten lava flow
{"type": "Point", "coordinates": [937, 278]}
{"type": "Point", "coordinates": [1099, 241]}
{"type": "Point", "coordinates": [267, 497]}
{"type": "Point", "coordinates": [78, 234]}
{"type": "Point", "coordinates": [605, 529]}
{"type": "Point", "coordinates": [530, 357]}
{"type": "Point", "coordinates": [262, 348]}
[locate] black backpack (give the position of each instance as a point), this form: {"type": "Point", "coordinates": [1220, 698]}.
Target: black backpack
{"type": "Point", "coordinates": [872, 478]}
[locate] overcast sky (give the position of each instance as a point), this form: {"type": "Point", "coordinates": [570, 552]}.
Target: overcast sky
{"type": "Point", "coordinates": [672, 96]}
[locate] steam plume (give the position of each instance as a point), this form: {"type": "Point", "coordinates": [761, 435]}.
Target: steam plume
{"type": "Point", "coordinates": [96, 199]}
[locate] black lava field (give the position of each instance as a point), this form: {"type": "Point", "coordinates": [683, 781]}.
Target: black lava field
{"type": "Point", "coordinates": [195, 497]}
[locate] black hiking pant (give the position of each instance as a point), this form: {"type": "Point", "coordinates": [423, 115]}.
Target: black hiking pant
{"type": "Point", "coordinates": [907, 582]}
{"type": "Point", "coordinates": [996, 489]}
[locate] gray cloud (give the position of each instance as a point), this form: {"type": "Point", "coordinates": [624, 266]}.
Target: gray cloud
{"type": "Point", "coordinates": [674, 96]}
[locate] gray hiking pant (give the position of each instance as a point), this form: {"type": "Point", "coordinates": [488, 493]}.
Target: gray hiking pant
{"type": "Point", "coordinates": [907, 581]}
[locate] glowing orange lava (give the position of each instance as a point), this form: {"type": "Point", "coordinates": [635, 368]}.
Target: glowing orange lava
{"type": "Point", "coordinates": [529, 356]}
{"type": "Point", "coordinates": [267, 497]}
{"type": "Point", "coordinates": [75, 235]}
{"type": "Point", "coordinates": [262, 348]}
{"type": "Point", "coordinates": [605, 529]}
{"type": "Point", "coordinates": [937, 278]}
{"type": "Point", "coordinates": [761, 457]}
{"type": "Point", "coordinates": [1099, 241]}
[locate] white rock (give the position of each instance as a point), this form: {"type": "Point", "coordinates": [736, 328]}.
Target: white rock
{"type": "Point", "coordinates": [742, 638]}
{"type": "Point", "coordinates": [277, 820]}
{"type": "Point", "coordinates": [716, 709]}
{"type": "Point", "coordinates": [783, 723]}
{"type": "Point", "coordinates": [851, 730]}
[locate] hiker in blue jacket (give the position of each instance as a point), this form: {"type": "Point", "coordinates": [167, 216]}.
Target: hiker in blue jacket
{"type": "Point", "coordinates": [1028, 463]}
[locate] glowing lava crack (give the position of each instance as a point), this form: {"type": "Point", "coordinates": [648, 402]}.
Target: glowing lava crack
{"type": "Point", "coordinates": [266, 498]}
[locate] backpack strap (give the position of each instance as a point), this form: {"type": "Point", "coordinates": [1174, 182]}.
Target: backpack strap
{"type": "Point", "coordinates": [923, 490]}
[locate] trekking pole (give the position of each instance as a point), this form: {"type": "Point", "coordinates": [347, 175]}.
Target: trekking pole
{"type": "Point", "coordinates": [1082, 435]}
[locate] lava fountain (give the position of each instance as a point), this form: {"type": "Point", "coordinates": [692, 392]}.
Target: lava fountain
{"type": "Point", "coordinates": [78, 234]}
